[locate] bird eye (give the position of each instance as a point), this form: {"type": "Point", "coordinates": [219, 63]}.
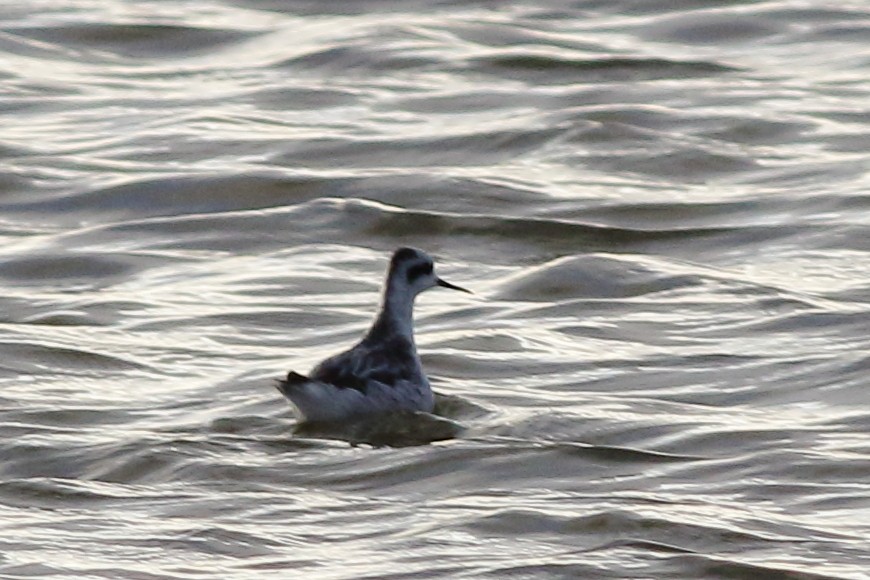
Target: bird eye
{"type": "Point", "coordinates": [415, 272]}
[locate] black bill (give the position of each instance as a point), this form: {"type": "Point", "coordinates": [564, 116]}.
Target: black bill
{"type": "Point", "coordinates": [452, 286]}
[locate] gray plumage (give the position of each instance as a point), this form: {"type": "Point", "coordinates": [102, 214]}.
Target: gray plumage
{"type": "Point", "coordinates": [383, 371]}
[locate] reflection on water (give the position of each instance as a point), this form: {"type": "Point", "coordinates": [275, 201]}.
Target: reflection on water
{"type": "Point", "coordinates": [661, 207]}
{"type": "Point", "coordinates": [399, 429]}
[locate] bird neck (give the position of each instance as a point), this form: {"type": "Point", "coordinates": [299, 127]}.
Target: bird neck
{"type": "Point", "coordinates": [397, 314]}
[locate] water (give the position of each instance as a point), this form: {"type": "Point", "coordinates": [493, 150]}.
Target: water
{"type": "Point", "coordinates": [661, 206]}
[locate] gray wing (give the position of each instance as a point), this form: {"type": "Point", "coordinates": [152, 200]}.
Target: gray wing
{"type": "Point", "coordinates": [387, 363]}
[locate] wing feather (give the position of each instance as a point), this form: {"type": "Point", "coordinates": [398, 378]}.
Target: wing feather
{"type": "Point", "coordinates": [388, 363]}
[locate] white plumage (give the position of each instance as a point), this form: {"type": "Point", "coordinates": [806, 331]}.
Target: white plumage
{"type": "Point", "coordinates": [383, 371]}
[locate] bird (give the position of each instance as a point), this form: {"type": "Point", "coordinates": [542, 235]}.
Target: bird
{"type": "Point", "coordinates": [382, 372]}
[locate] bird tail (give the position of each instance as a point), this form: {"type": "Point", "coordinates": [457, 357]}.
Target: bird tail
{"type": "Point", "coordinates": [287, 385]}
{"type": "Point", "coordinates": [317, 401]}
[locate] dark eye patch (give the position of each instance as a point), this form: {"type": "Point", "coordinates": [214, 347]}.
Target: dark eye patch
{"type": "Point", "coordinates": [415, 272]}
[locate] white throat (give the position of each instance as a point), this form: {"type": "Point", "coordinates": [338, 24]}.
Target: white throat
{"type": "Point", "coordinates": [406, 277]}
{"type": "Point", "coordinates": [398, 308]}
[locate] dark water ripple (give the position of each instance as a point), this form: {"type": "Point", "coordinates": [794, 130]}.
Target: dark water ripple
{"type": "Point", "coordinates": [661, 207]}
{"type": "Point", "coordinates": [133, 40]}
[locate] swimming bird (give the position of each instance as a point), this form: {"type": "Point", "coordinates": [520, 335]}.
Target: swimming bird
{"type": "Point", "coordinates": [382, 372]}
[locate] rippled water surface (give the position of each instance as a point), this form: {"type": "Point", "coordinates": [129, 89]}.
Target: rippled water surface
{"type": "Point", "coordinates": [662, 208]}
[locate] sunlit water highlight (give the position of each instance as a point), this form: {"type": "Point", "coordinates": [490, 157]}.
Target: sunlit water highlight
{"type": "Point", "coordinates": [661, 207]}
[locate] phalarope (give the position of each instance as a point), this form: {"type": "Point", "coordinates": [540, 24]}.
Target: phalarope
{"type": "Point", "coordinates": [383, 371]}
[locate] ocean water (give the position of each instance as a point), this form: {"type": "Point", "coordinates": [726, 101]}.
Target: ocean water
{"type": "Point", "coordinates": [663, 209]}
